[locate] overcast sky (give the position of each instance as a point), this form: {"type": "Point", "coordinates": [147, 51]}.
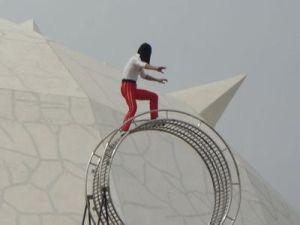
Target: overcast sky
{"type": "Point", "coordinates": [202, 41]}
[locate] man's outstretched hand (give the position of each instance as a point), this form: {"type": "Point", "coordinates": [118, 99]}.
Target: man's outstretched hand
{"type": "Point", "coordinates": [161, 69]}
{"type": "Point", "coordinates": [162, 80]}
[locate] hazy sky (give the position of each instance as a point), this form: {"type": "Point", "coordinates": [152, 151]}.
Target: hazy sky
{"type": "Point", "coordinates": [202, 41]}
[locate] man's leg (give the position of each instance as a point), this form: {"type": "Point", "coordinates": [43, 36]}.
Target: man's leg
{"type": "Point", "coordinates": [148, 95]}
{"type": "Point", "coordinates": [128, 91]}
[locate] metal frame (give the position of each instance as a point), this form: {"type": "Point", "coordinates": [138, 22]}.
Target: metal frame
{"type": "Point", "coordinates": [210, 146]}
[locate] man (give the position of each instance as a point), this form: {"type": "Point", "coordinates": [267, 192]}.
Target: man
{"type": "Point", "coordinates": [134, 68]}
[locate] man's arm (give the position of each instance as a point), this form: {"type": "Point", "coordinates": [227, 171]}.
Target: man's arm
{"type": "Point", "coordinates": [156, 68]}
{"type": "Point", "coordinates": [160, 80]}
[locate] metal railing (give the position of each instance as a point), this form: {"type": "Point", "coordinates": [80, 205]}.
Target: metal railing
{"type": "Point", "coordinates": [210, 146]}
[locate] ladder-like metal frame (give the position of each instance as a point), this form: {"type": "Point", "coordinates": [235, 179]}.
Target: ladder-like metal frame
{"type": "Point", "coordinates": [213, 150]}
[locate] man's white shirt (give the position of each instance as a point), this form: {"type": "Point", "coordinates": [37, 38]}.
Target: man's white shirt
{"type": "Point", "coordinates": [134, 68]}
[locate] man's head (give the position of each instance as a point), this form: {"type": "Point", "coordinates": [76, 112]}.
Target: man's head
{"type": "Point", "coordinates": [145, 51]}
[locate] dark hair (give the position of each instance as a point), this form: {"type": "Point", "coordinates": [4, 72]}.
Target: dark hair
{"type": "Point", "coordinates": [145, 51]}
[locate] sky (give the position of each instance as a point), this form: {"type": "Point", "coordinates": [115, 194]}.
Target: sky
{"type": "Point", "coordinates": [201, 41]}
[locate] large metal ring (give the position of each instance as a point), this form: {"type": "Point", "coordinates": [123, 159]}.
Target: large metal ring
{"type": "Point", "coordinates": [211, 147]}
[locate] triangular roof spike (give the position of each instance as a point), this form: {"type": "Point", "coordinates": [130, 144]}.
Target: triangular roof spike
{"type": "Point", "coordinates": [210, 100]}
{"type": "Point", "coordinates": [30, 25]}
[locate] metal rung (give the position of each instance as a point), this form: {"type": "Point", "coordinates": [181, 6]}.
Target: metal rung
{"type": "Point", "coordinates": [91, 163]}
{"type": "Point", "coordinates": [232, 219]}
{"type": "Point", "coordinates": [98, 156]}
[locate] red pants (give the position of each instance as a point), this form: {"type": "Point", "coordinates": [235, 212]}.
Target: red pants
{"type": "Point", "coordinates": [131, 94]}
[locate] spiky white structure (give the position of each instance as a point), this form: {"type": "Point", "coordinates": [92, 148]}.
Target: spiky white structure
{"type": "Point", "coordinates": [56, 104]}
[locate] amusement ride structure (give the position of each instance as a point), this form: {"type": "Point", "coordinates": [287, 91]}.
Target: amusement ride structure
{"type": "Point", "coordinates": [208, 144]}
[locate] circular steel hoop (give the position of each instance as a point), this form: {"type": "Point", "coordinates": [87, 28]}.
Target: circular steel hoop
{"type": "Point", "coordinates": [210, 146]}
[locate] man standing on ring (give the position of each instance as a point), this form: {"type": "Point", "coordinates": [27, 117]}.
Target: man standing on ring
{"type": "Point", "coordinates": [129, 90]}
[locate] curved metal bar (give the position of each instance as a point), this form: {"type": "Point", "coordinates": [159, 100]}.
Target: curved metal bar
{"type": "Point", "coordinates": [211, 164]}
{"type": "Point", "coordinates": [197, 136]}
